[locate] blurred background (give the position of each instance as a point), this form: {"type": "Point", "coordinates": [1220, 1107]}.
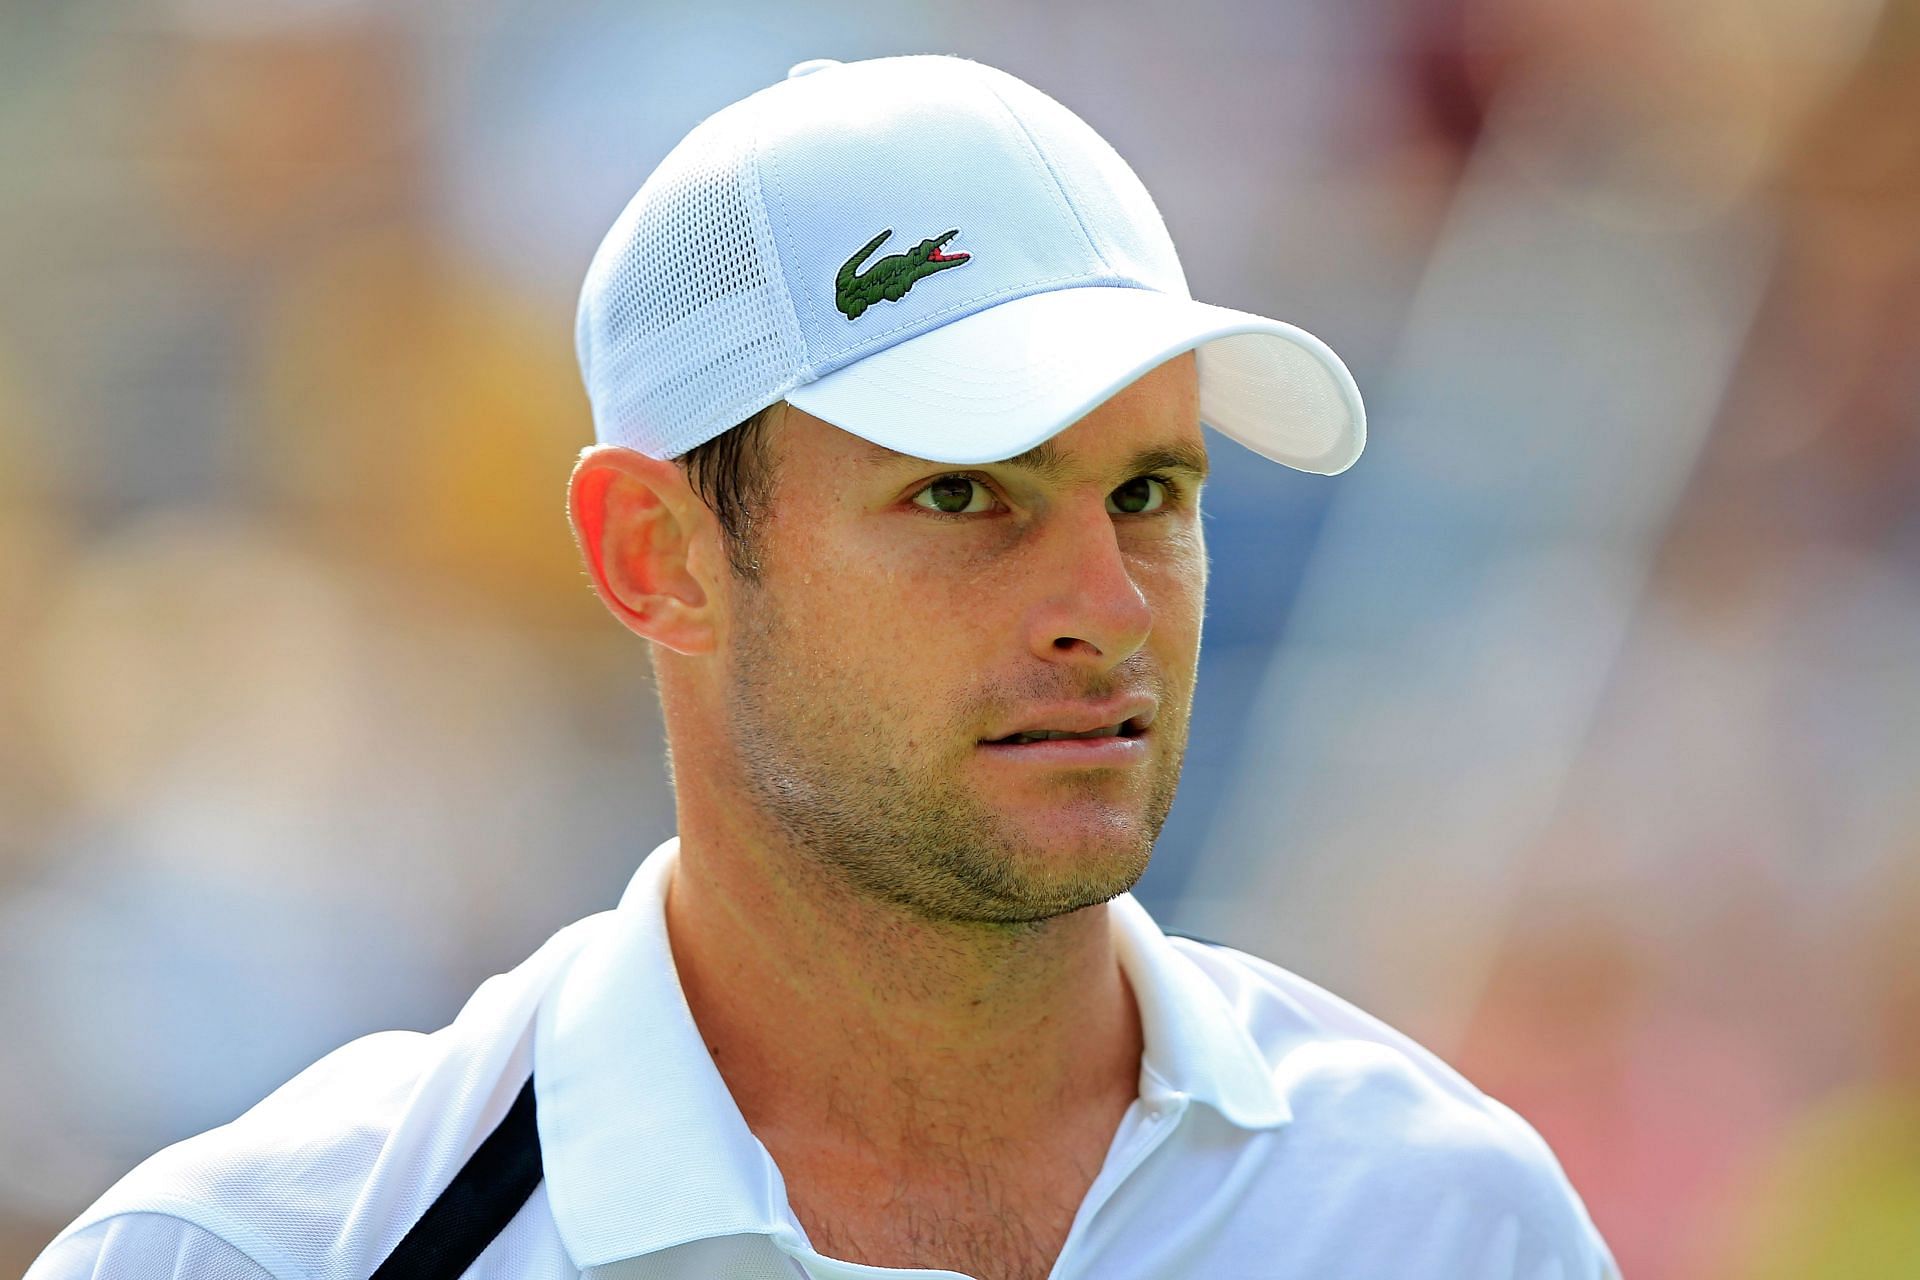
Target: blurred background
{"type": "Point", "coordinates": [1575, 731]}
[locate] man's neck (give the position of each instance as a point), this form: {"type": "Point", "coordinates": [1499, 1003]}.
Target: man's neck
{"type": "Point", "coordinates": [853, 1024]}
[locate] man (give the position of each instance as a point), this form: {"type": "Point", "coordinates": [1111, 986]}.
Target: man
{"type": "Point", "coordinates": [900, 397]}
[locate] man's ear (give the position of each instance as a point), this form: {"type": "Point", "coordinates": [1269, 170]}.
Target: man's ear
{"type": "Point", "coordinates": [650, 544]}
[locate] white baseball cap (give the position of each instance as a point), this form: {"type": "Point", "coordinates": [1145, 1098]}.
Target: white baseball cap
{"type": "Point", "coordinates": [933, 255]}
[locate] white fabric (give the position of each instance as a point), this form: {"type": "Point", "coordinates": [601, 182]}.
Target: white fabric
{"type": "Point", "coordinates": [1007, 382]}
{"type": "Point", "coordinates": [1279, 1132]}
{"type": "Point", "coordinates": [714, 293]}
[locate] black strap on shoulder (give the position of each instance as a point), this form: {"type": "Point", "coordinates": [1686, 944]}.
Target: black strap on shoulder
{"type": "Point", "coordinates": [477, 1205]}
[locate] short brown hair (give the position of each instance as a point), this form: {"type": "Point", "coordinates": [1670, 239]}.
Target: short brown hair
{"type": "Point", "coordinates": [734, 474]}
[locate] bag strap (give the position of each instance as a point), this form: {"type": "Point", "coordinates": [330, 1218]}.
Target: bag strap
{"type": "Point", "coordinates": [477, 1205]}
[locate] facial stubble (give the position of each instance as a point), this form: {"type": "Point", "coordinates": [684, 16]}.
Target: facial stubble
{"type": "Point", "coordinates": [835, 775]}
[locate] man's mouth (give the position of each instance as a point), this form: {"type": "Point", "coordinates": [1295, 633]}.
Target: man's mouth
{"type": "Point", "coordinates": [1132, 727]}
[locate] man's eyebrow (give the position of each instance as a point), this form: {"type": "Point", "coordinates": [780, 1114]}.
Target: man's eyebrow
{"type": "Point", "coordinates": [1045, 460]}
{"type": "Point", "coordinates": [1191, 458]}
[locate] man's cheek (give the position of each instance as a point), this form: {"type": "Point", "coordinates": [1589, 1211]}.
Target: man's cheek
{"type": "Point", "coordinates": [1179, 601]}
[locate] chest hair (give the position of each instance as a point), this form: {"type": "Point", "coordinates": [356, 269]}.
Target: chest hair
{"type": "Point", "coordinates": [973, 1218]}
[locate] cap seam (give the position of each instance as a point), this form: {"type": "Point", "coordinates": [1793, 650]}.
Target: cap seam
{"type": "Point", "coordinates": [795, 338]}
{"type": "Point", "coordinates": [1059, 186]}
{"type": "Point", "coordinates": [783, 245]}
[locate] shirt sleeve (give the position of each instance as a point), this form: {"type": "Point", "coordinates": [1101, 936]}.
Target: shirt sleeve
{"type": "Point", "coordinates": [144, 1246]}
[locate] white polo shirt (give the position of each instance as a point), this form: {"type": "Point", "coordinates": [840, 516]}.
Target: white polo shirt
{"type": "Point", "coordinates": [1279, 1132]}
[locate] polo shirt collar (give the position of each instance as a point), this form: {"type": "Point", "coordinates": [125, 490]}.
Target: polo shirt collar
{"type": "Point", "coordinates": [644, 1147]}
{"type": "Point", "coordinates": [1197, 1044]}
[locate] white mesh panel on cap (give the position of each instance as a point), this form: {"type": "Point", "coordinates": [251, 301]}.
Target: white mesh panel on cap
{"type": "Point", "coordinates": [685, 325]}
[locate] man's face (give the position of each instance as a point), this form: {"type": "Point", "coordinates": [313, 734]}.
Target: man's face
{"type": "Point", "coordinates": [910, 615]}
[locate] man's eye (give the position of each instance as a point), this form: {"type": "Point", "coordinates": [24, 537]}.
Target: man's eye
{"type": "Point", "coordinates": [955, 496]}
{"type": "Point", "coordinates": [1138, 496]}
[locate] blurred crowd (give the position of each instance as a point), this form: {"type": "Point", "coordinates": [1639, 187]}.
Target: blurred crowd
{"type": "Point", "coordinates": [1576, 730]}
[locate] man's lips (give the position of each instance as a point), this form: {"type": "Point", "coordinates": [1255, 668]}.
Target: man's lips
{"type": "Point", "coordinates": [1125, 717]}
{"type": "Point", "coordinates": [1116, 751]}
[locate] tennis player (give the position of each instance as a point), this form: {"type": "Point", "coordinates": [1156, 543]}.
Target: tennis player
{"type": "Point", "coordinates": [899, 393]}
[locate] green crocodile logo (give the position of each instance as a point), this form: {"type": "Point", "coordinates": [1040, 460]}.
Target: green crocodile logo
{"type": "Point", "coordinates": [855, 290]}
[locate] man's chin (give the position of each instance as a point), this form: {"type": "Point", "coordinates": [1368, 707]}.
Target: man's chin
{"type": "Point", "coordinates": [1071, 867]}
{"type": "Point", "coordinates": [1035, 900]}
{"type": "Point", "coordinates": [1081, 829]}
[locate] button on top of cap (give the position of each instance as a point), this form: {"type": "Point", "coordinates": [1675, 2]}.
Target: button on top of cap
{"type": "Point", "coordinates": [810, 66]}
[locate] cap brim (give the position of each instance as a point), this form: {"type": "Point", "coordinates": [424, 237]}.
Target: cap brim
{"type": "Point", "coordinates": [998, 382]}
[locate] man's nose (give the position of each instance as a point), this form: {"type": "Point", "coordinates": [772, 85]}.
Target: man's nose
{"type": "Point", "coordinates": [1089, 611]}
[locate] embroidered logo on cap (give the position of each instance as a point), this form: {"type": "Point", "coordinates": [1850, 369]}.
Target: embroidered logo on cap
{"type": "Point", "coordinates": [855, 290]}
